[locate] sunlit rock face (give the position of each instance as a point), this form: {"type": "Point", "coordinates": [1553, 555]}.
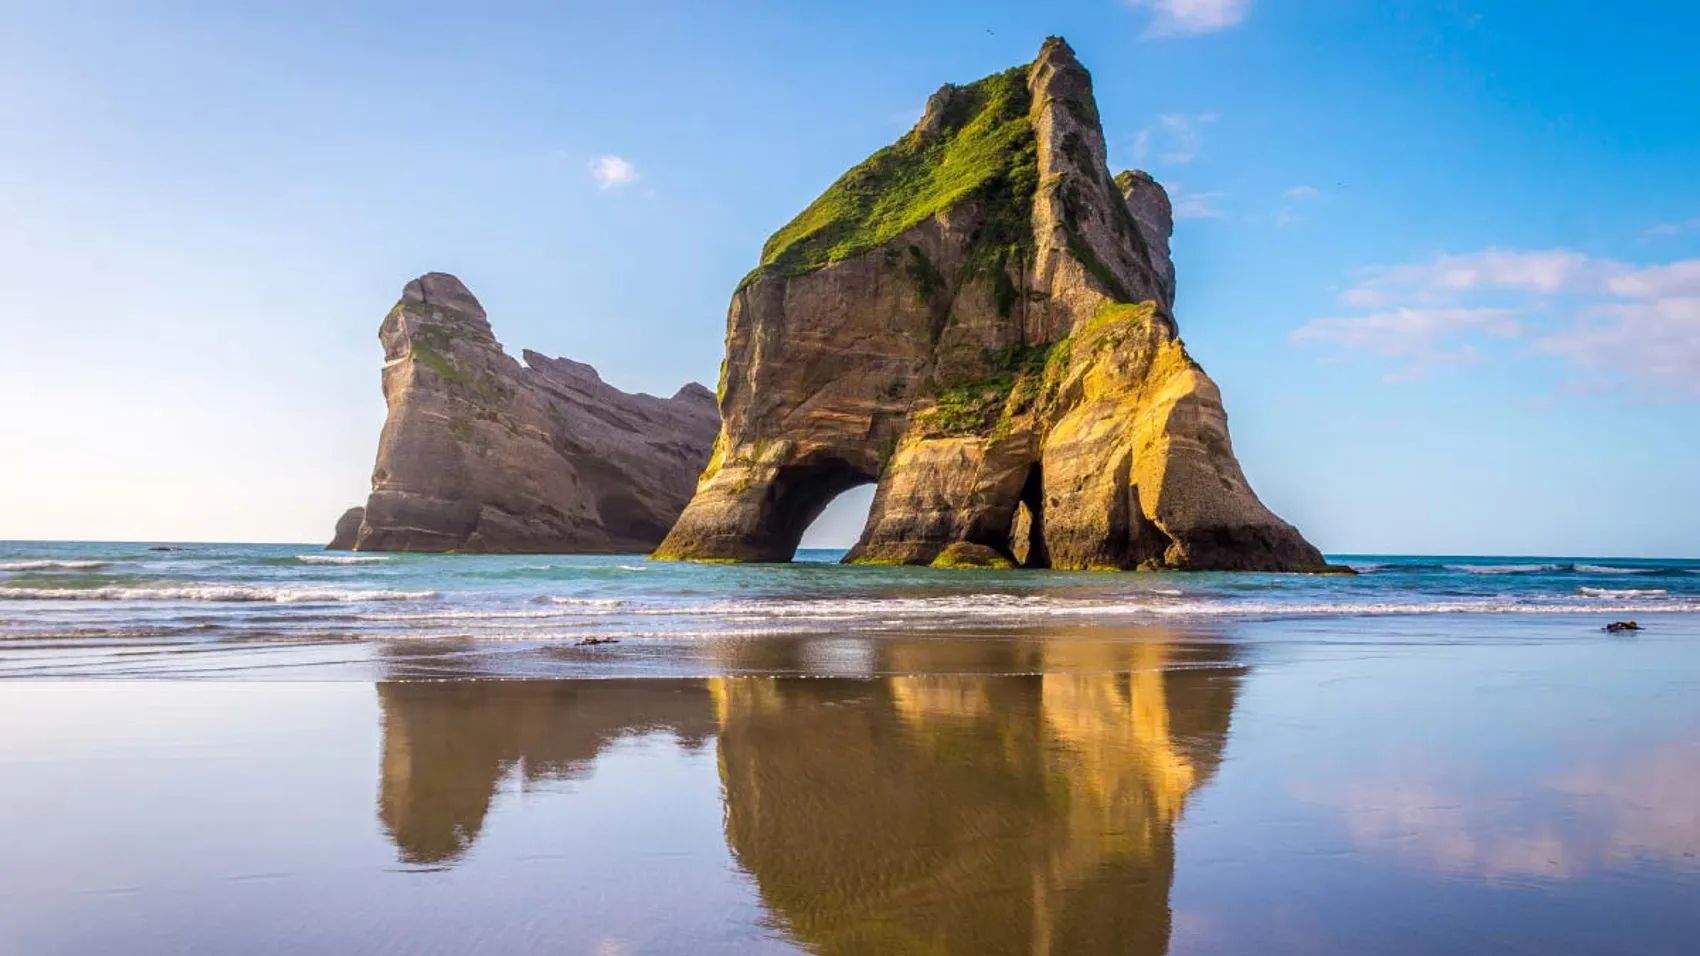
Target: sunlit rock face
{"type": "Point", "coordinates": [971, 814]}
{"type": "Point", "coordinates": [978, 319]}
{"type": "Point", "coordinates": [482, 453]}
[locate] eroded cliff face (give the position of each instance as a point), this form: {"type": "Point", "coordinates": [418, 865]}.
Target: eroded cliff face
{"type": "Point", "coordinates": [481, 453]}
{"type": "Point", "coordinates": [347, 529]}
{"type": "Point", "coordinates": [979, 320]}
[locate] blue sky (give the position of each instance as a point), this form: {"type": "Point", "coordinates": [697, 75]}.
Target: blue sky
{"type": "Point", "coordinates": [1442, 258]}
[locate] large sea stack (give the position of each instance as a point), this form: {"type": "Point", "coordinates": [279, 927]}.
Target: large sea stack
{"type": "Point", "coordinates": [481, 453]}
{"type": "Point", "coordinates": [979, 319]}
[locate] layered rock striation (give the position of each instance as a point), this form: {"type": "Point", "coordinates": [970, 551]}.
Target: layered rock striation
{"type": "Point", "coordinates": [483, 454]}
{"type": "Point", "coordinates": [979, 319]}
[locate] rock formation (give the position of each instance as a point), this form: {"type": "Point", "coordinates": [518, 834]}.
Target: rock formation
{"type": "Point", "coordinates": [481, 453]}
{"type": "Point", "coordinates": [979, 319]}
{"type": "Point", "coordinates": [347, 529]}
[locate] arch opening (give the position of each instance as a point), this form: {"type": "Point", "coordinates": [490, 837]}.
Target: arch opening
{"type": "Point", "coordinates": [799, 494]}
{"type": "Point", "coordinates": [1027, 525]}
{"type": "Point", "coordinates": [839, 526]}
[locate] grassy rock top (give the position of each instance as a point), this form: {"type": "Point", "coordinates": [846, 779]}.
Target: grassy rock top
{"type": "Point", "coordinates": [973, 140]}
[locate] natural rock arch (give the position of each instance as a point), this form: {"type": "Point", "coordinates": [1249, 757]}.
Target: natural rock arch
{"type": "Point", "coordinates": [979, 318]}
{"type": "Point", "coordinates": [793, 497]}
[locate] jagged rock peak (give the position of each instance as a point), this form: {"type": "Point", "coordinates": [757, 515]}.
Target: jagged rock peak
{"type": "Point", "coordinates": [978, 319]}
{"type": "Point", "coordinates": [1149, 203]}
{"type": "Point", "coordinates": [441, 291]}
{"type": "Point", "coordinates": [481, 453]}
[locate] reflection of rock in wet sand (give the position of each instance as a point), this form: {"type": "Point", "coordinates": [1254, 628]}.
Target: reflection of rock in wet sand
{"type": "Point", "coordinates": [448, 746]}
{"type": "Point", "coordinates": [977, 815]}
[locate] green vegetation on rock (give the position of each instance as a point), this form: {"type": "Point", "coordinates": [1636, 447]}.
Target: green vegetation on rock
{"type": "Point", "coordinates": [963, 554]}
{"type": "Point", "coordinates": [925, 275]}
{"type": "Point", "coordinates": [981, 145]}
{"type": "Point", "coordinates": [1127, 177]}
{"type": "Point", "coordinates": [439, 363]}
{"type": "Point", "coordinates": [1016, 377]}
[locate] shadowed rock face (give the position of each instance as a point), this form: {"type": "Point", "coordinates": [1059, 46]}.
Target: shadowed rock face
{"type": "Point", "coordinates": [481, 453]}
{"type": "Point", "coordinates": [347, 530]}
{"type": "Point", "coordinates": [979, 320]}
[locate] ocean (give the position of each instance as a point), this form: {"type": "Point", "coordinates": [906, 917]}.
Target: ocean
{"type": "Point", "coordinates": [271, 749]}
{"type": "Point", "coordinates": [262, 596]}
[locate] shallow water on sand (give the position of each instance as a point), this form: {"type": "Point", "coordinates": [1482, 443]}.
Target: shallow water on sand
{"type": "Point", "coordinates": [1387, 784]}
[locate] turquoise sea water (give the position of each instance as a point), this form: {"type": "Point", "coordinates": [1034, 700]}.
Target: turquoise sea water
{"type": "Point", "coordinates": [91, 590]}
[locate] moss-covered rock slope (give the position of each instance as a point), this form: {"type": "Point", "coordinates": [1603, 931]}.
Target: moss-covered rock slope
{"type": "Point", "coordinates": [978, 318]}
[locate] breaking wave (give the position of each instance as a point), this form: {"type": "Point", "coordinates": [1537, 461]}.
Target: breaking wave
{"type": "Point", "coordinates": [53, 565]}
{"type": "Point", "coordinates": [215, 593]}
{"type": "Point", "coordinates": [341, 558]}
{"type": "Point", "coordinates": [1507, 568]}
{"type": "Point", "coordinates": [1623, 592]}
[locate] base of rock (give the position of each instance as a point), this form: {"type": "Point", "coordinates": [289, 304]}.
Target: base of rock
{"type": "Point", "coordinates": [347, 530]}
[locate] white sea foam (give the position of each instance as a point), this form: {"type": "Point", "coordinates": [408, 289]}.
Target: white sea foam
{"type": "Point", "coordinates": [1607, 569]}
{"type": "Point", "coordinates": [1504, 568]}
{"type": "Point", "coordinates": [212, 592]}
{"type": "Point", "coordinates": [341, 558]}
{"type": "Point", "coordinates": [581, 602]}
{"type": "Point", "coordinates": [1623, 592]}
{"type": "Point", "coordinates": [470, 614]}
{"type": "Point", "coordinates": [997, 608]}
{"type": "Point", "coordinates": [53, 565]}
{"type": "Point", "coordinates": [632, 567]}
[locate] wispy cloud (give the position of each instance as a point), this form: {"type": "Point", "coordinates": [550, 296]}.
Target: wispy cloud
{"type": "Point", "coordinates": [1179, 18]}
{"type": "Point", "coordinates": [1610, 321]}
{"type": "Point", "coordinates": [1176, 138]}
{"type": "Point", "coordinates": [1293, 200]}
{"type": "Point", "coordinates": [612, 172]}
{"type": "Point", "coordinates": [1666, 230]}
{"type": "Point", "coordinates": [1418, 338]}
{"type": "Point", "coordinates": [1191, 205]}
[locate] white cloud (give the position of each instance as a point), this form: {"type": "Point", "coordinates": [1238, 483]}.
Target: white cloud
{"type": "Point", "coordinates": [1445, 277]}
{"type": "Point", "coordinates": [1177, 138]}
{"type": "Point", "coordinates": [1666, 230]}
{"type": "Point", "coordinates": [1173, 18]}
{"type": "Point", "coordinates": [1189, 205]}
{"type": "Point", "coordinates": [1297, 196]}
{"type": "Point", "coordinates": [1658, 282]}
{"type": "Point", "coordinates": [612, 172]}
{"type": "Point", "coordinates": [1420, 338]}
{"type": "Point", "coordinates": [1610, 321]}
{"type": "Point", "coordinates": [1654, 345]}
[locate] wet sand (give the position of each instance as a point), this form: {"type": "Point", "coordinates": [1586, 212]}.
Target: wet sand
{"type": "Point", "coordinates": [1395, 786]}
